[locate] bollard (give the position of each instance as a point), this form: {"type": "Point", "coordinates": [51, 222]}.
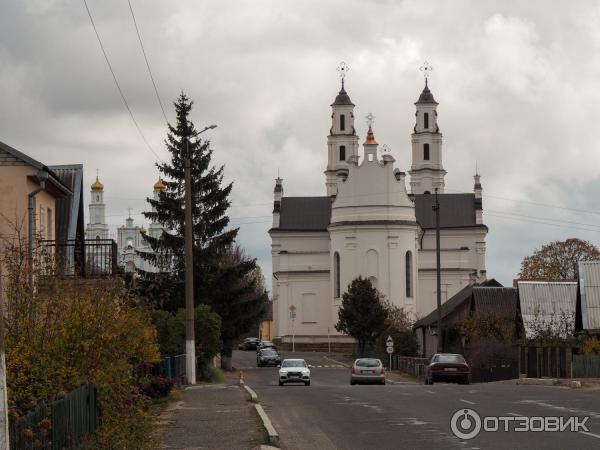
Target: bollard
{"type": "Point", "coordinates": [241, 377]}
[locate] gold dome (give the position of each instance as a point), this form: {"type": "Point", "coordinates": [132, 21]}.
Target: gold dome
{"type": "Point", "coordinates": [97, 186]}
{"type": "Point", "coordinates": [370, 137]}
{"type": "Point", "coordinates": [159, 185]}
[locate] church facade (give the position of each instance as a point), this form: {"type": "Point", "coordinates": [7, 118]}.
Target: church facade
{"type": "Point", "coordinates": [369, 224]}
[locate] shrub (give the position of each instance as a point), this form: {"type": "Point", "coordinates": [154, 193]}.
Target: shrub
{"type": "Point", "coordinates": [157, 386]}
{"type": "Point", "coordinates": [591, 347]}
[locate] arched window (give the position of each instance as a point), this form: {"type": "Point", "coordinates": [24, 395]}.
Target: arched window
{"type": "Point", "coordinates": [342, 153]}
{"type": "Point", "coordinates": [408, 265]}
{"type": "Point", "coordinates": [342, 122]}
{"type": "Point", "coordinates": [336, 275]}
{"type": "Point", "coordinates": [426, 152]}
{"type": "Point", "coordinates": [426, 120]}
{"type": "Point", "coordinates": [97, 198]}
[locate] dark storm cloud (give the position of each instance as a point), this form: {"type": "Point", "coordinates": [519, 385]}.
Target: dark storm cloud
{"type": "Point", "coordinates": [517, 86]}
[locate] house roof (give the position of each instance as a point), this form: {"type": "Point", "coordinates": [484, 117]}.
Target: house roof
{"type": "Point", "coordinates": [59, 188]}
{"type": "Point", "coordinates": [500, 300]}
{"type": "Point", "coordinates": [305, 213]}
{"type": "Point", "coordinates": [589, 286]}
{"type": "Point", "coordinates": [314, 213]}
{"type": "Point", "coordinates": [546, 301]}
{"type": "Point", "coordinates": [69, 210]}
{"type": "Point", "coordinates": [458, 299]}
{"type": "Point", "coordinates": [456, 210]}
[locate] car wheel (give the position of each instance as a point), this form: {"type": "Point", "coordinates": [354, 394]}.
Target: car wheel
{"type": "Point", "coordinates": [352, 382]}
{"type": "Point", "coordinates": [307, 383]}
{"type": "Point", "coordinates": [281, 383]}
{"type": "Point", "coordinates": [383, 382]}
{"type": "Point", "coordinates": [468, 380]}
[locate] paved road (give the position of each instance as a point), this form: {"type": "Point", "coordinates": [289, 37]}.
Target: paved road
{"type": "Point", "coordinates": [331, 414]}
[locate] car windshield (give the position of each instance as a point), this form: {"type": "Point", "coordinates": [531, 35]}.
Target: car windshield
{"type": "Point", "coordinates": [267, 344]}
{"type": "Point", "coordinates": [368, 362]}
{"type": "Point", "coordinates": [294, 363]}
{"type": "Point", "coordinates": [269, 353]}
{"type": "Point", "coordinates": [455, 359]}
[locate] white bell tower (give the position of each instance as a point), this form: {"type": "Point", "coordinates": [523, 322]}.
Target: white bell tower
{"type": "Point", "coordinates": [342, 142]}
{"type": "Point", "coordinates": [427, 172]}
{"type": "Point", "coordinates": [97, 227]}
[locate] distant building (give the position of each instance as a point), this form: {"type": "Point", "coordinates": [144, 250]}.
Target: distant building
{"type": "Point", "coordinates": [588, 307]}
{"type": "Point", "coordinates": [369, 224]}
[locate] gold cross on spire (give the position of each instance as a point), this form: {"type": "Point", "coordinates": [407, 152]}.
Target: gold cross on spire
{"type": "Point", "coordinates": [343, 69]}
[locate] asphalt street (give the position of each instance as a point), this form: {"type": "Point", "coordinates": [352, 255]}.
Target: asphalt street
{"type": "Point", "coordinates": [331, 414]}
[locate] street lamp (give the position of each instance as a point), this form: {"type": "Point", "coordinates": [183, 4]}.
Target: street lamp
{"type": "Point", "coordinates": [190, 340]}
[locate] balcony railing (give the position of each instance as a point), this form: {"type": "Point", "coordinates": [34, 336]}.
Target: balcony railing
{"type": "Point", "coordinates": [89, 258]}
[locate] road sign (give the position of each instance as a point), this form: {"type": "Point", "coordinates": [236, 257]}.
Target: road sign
{"type": "Point", "coordinates": [390, 349]}
{"type": "Point", "coordinates": [389, 341]}
{"type": "Point", "coordinates": [292, 314]}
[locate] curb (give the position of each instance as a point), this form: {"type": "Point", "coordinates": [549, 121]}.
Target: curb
{"type": "Point", "coordinates": [273, 436]}
{"type": "Point", "coordinates": [253, 396]}
{"type": "Point", "coordinates": [573, 384]}
{"type": "Point", "coordinates": [337, 362]}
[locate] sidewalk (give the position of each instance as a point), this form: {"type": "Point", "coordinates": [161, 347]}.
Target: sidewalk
{"type": "Point", "coordinates": [212, 416]}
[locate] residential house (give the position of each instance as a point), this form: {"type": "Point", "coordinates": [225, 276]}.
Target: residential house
{"type": "Point", "coordinates": [588, 306]}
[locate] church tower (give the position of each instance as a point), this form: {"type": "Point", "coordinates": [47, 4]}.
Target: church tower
{"type": "Point", "coordinates": [97, 227]}
{"type": "Point", "coordinates": [156, 229]}
{"type": "Point", "coordinates": [342, 142]}
{"type": "Point", "coordinates": [427, 172]}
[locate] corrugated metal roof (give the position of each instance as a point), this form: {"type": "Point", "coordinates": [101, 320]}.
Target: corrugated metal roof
{"type": "Point", "coordinates": [69, 208]}
{"type": "Point", "coordinates": [546, 301]}
{"type": "Point", "coordinates": [589, 279]}
{"type": "Point", "coordinates": [305, 213]}
{"type": "Point", "coordinates": [500, 300]}
{"type": "Point", "coordinates": [453, 303]}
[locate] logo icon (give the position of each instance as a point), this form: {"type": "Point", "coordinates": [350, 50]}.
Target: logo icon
{"type": "Point", "coordinates": [465, 424]}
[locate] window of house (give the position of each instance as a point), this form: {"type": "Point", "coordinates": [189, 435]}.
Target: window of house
{"type": "Point", "coordinates": [426, 120]}
{"type": "Point", "coordinates": [342, 153]}
{"type": "Point", "coordinates": [342, 122]}
{"type": "Point", "coordinates": [49, 223]}
{"type": "Point", "coordinates": [336, 275]}
{"type": "Point", "coordinates": [426, 152]}
{"type": "Point", "coordinates": [408, 265]}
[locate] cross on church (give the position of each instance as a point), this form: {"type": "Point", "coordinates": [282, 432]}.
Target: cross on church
{"type": "Point", "coordinates": [370, 119]}
{"type": "Point", "coordinates": [343, 69]}
{"type": "Point", "coordinates": [426, 69]}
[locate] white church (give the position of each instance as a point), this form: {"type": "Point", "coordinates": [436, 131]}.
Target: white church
{"type": "Point", "coordinates": [370, 224]}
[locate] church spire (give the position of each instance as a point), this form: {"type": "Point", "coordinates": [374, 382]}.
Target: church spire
{"type": "Point", "coordinates": [427, 171]}
{"type": "Point", "coordinates": [342, 141]}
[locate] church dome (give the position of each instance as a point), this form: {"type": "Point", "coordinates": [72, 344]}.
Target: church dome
{"type": "Point", "coordinates": [159, 185]}
{"type": "Point", "coordinates": [97, 186]}
{"type": "Point", "coordinates": [426, 96]}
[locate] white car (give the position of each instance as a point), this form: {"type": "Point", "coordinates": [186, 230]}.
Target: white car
{"type": "Point", "coordinates": [294, 371]}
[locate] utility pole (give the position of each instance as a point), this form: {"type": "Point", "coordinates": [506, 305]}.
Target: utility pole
{"type": "Point", "coordinates": [4, 438]}
{"type": "Point", "coordinates": [190, 339]}
{"type": "Point", "coordinates": [440, 331]}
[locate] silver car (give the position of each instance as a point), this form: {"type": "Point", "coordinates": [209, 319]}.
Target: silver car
{"type": "Point", "coordinates": [367, 370]}
{"type": "Point", "coordinates": [294, 371]}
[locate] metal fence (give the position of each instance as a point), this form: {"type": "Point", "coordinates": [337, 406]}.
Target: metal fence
{"type": "Point", "coordinates": [79, 257]}
{"type": "Point", "coordinates": [410, 365]}
{"type": "Point", "coordinates": [586, 366]}
{"type": "Point", "coordinates": [70, 419]}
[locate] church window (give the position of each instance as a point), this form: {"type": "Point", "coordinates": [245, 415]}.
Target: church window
{"type": "Point", "coordinates": [97, 198]}
{"type": "Point", "coordinates": [373, 281]}
{"type": "Point", "coordinates": [336, 275]}
{"type": "Point", "coordinates": [426, 120]}
{"type": "Point", "coordinates": [409, 269]}
{"type": "Point", "coordinates": [342, 153]}
{"type": "Point", "coordinates": [342, 122]}
{"type": "Point", "coordinates": [426, 152]}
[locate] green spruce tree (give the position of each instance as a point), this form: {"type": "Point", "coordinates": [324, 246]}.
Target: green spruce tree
{"type": "Point", "coordinates": [210, 201]}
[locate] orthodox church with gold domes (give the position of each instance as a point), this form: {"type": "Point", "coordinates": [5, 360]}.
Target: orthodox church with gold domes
{"type": "Point", "coordinates": [369, 224]}
{"type": "Point", "coordinates": [130, 237]}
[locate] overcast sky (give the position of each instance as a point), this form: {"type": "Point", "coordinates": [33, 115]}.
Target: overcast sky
{"type": "Point", "coordinates": [518, 86]}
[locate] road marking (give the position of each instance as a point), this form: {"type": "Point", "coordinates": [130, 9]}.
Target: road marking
{"type": "Point", "coordinates": [514, 414]}
{"type": "Point", "coordinates": [430, 392]}
{"type": "Point", "coordinates": [467, 401]}
{"type": "Point", "coordinates": [587, 433]}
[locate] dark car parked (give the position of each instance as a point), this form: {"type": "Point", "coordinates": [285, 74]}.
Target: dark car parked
{"type": "Point", "coordinates": [268, 357]}
{"type": "Point", "coordinates": [249, 343]}
{"type": "Point", "coordinates": [265, 344]}
{"type": "Point", "coordinates": [448, 367]}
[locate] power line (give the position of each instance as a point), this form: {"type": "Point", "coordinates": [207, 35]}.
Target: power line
{"type": "Point", "coordinates": [137, 30]}
{"type": "Point", "coordinates": [117, 82]}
